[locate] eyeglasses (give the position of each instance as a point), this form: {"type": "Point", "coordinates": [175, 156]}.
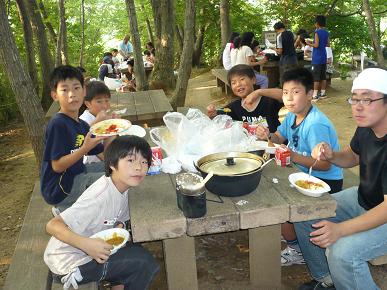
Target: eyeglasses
{"type": "Point", "coordinates": [364, 102]}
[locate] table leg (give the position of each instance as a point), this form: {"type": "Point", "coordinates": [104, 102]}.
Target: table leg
{"type": "Point", "coordinates": [180, 263]}
{"type": "Point", "coordinates": [264, 257]}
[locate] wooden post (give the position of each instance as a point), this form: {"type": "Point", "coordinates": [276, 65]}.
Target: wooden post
{"type": "Point", "coordinates": [180, 263]}
{"type": "Point", "coordinates": [264, 257]}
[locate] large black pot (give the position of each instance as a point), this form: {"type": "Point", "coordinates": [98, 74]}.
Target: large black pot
{"type": "Point", "coordinates": [235, 173]}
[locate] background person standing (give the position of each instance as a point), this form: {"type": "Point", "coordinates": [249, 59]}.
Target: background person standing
{"type": "Point", "coordinates": [285, 48]}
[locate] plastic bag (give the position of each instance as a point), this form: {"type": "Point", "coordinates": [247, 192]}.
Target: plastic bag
{"type": "Point", "coordinates": [188, 138]}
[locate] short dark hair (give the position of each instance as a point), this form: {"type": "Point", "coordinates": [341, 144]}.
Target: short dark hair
{"type": "Point", "coordinates": [114, 50]}
{"type": "Point", "coordinates": [109, 54]}
{"type": "Point", "coordinates": [279, 25]}
{"type": "Point", "coordinates": [299, 75]}
{"type": "Point", "coordinates": [237, 41]}
{"type": "Point", "coordinates": [64, 72]}
{"type": "Point", "coordinates": [121, 147]}
{"type": "Point", "coordinates": [147, 52]}
{"type": "Point", "coordinates": [247, 38]}
{"type": "Point", "coordinates": [149, 43]}
{"type": "Point", "coordinates": [240, 70]}
{"type": "Point", "coordinates": [130, 62]}
{"type": "Point", "coordinates": [232, 36]}
{"type": "Point", "coordinates": [254, 44]}
{"type": "Point", "coordinates": [321, 20]}
{"type": "Point", "coordinates": [96, 88]}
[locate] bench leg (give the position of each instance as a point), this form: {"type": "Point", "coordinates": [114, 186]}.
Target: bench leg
{"type": "Point", "coordinates": [264, 257]}
{"type": "Point", "coordinates": [180, 263]}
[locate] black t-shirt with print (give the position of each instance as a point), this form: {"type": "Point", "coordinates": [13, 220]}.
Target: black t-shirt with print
{"type": "Point", "coordinates": [288, 43]}
{"type": "Point", "coordinates": [267, 108]}
{"type": "Point", "coordinates": [372, 153]}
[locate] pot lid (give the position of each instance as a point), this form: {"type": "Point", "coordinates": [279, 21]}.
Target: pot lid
{"type": "Point", "coordinates": [232, 163]}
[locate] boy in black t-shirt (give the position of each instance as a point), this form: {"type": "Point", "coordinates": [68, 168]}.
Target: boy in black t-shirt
{"type": "Point", "coordinates": [358, 232]}
{"type": "Point", "coordinates": [63, 175]}
{"type": "Point", "coordinates": [242, 79]}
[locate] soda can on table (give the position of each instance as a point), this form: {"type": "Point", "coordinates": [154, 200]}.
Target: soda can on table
{"type": "Point", "coordinates": [282, 156]}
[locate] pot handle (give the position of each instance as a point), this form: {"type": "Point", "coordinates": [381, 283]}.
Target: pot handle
{"type": "Point", "coordinates": [267, 162]}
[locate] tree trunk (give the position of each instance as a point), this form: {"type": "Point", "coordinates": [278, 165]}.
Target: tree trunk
{"type": "Point", "coordinates": [44, 51]}
{"type": "Point", "coordinates": [28, 41]}
{"type": "Point", "coordinates": [225, 29]}
{"type": "Point", "coordinates": [141, 80]}
{"type": "Point", "coordinates": [26, 97]}
{"type": "Point", "coordinates": [63, 30]}
{"type": "Point", "coordinates": [148, 25]}
{"type": "Point", "coordinates": [180, 36]}
{"type": "Point", "coordinates": [199, 44]}
{"type": "Point", "coordinates": [374, 36]}
{"type": "Point", "coordinates": [46, 22]}
{"type": "Point", "coordinates": [185, 67]}
{"type": "Point", "coordinates": [164, 16]}
{"type": "Point", "coordinates": [82, 33]}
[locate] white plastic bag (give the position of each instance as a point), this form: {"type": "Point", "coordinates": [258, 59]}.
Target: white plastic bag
{"type": "Point", "coordinates": [188, 138]}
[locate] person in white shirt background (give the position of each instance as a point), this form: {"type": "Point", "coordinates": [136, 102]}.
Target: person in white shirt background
{"type": "Point", "coordinates": [226, 58]}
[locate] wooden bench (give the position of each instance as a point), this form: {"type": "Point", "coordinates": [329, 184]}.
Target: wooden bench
{"type": "Point", "coordinates": [27, 269]}
{"type": "Point", "coordinates": [221, 80]}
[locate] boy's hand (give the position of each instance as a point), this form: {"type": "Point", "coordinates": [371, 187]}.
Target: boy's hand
{"type": "Point", "coordinates": [98, 249]}
{"type": "Point", "coordinates": [101, 116]}
{"type": "Point", "coordinates": [91, 141]}
{"type": "Point", "coordinates": [326, 234]}
{"type": "Point", "coordinates": [322, 151]}
{"type": "Point", "coordinates": [262, 132]}
{"type": "Point", "coordinates": [211, 111]}
{"type": "Point", "coordinates": [250, 100]}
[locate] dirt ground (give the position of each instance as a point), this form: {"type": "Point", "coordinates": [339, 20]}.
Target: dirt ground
{"type": "Point", "coordinates": [221, 264]}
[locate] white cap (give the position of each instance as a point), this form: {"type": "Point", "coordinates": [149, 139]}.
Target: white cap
{"type": "Point", "coordinates": [374, 79]}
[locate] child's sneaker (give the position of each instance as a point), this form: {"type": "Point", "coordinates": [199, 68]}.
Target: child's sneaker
{"type": "Point", "coordinates": [316, 98]}
{"type": "Point", "coordinates": [323, 96]}
{"type": "Point", "coordinates": [290, 256]}
{"type": "Point", "coordinates": [315, 285]}
{"type": "Point", "coordinates": [55, 211]}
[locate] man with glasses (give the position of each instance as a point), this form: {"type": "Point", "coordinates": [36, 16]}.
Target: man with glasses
{"type": "Point", "coordinates": [337, 249]}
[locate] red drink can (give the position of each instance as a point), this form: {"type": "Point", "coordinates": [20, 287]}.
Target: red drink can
{"type": "Point", "coordinates": [282, 156]}
{"type": "Point", "coordinates": [157, 157]}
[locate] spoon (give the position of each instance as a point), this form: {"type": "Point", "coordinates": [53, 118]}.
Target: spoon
{"type": "Point", "coordinates": [264, 164]}
{"type": "Point", "coordinates": [310, 168]}
{"type": "Point", "coordinates": [203, 182]}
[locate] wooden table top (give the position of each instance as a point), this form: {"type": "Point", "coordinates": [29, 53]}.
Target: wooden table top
{"type": "Point", "coordinates": [155, 215]}
{"type": "Point", "coordinates": [141, 107]}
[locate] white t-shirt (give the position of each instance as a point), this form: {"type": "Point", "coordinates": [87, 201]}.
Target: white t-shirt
{"type": "Point", "coordinates": [100, 203]}
{"type": "Point", "coordinates": [233, 56]}
{"type": "Point", "coordinates": [243, 53]}
{"type": "Point", "coordinates": [227, 57]}
{"type": "Point", "coordinates": [88, 118]}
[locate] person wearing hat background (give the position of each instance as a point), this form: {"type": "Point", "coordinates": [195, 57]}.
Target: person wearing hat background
{"type": "Point", "coordinates": [336, 250]}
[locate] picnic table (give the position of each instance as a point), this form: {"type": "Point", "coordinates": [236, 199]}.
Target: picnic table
{"type": "Point", "coordinates": [155, 216]}
{"type": "Point", "coordinates": [141, 107]}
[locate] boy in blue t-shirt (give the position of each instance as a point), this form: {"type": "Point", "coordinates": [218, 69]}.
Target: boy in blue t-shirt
{"type": "Point", "coordinates": [305, 127]}
{"type": "Point", "coordinates": [319, 57]}
{"type": "Point", "coordinates": [63, 175]}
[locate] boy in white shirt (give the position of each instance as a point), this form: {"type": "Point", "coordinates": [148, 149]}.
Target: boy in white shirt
{"type": "Point", "coordinates": [75, 258]}
{"type": "Point", "coordinates": [97, 101]}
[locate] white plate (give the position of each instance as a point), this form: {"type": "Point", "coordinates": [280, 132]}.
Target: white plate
{"type": "Point", "coordinates": [122, 125]}
{"type": "Point", "coordinates": [135, 130]}
{"type": "Point", "coordinates": [108, 234]}
{"type": "Point", "coordinates": [310, 192]}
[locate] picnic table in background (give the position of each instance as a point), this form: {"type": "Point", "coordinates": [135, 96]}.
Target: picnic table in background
{"type": "Point", "coordinates": [141, 107]}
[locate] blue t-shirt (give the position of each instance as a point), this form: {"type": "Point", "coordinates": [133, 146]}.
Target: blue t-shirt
{"type": "Point", "coordinates": [314, 129]}
{"type": "Point", "coordinates": [64, 135]}
{"type": "Point", "coordinates": [127, 48]}
{"type": "Point", "coordinates": [319, 54]}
